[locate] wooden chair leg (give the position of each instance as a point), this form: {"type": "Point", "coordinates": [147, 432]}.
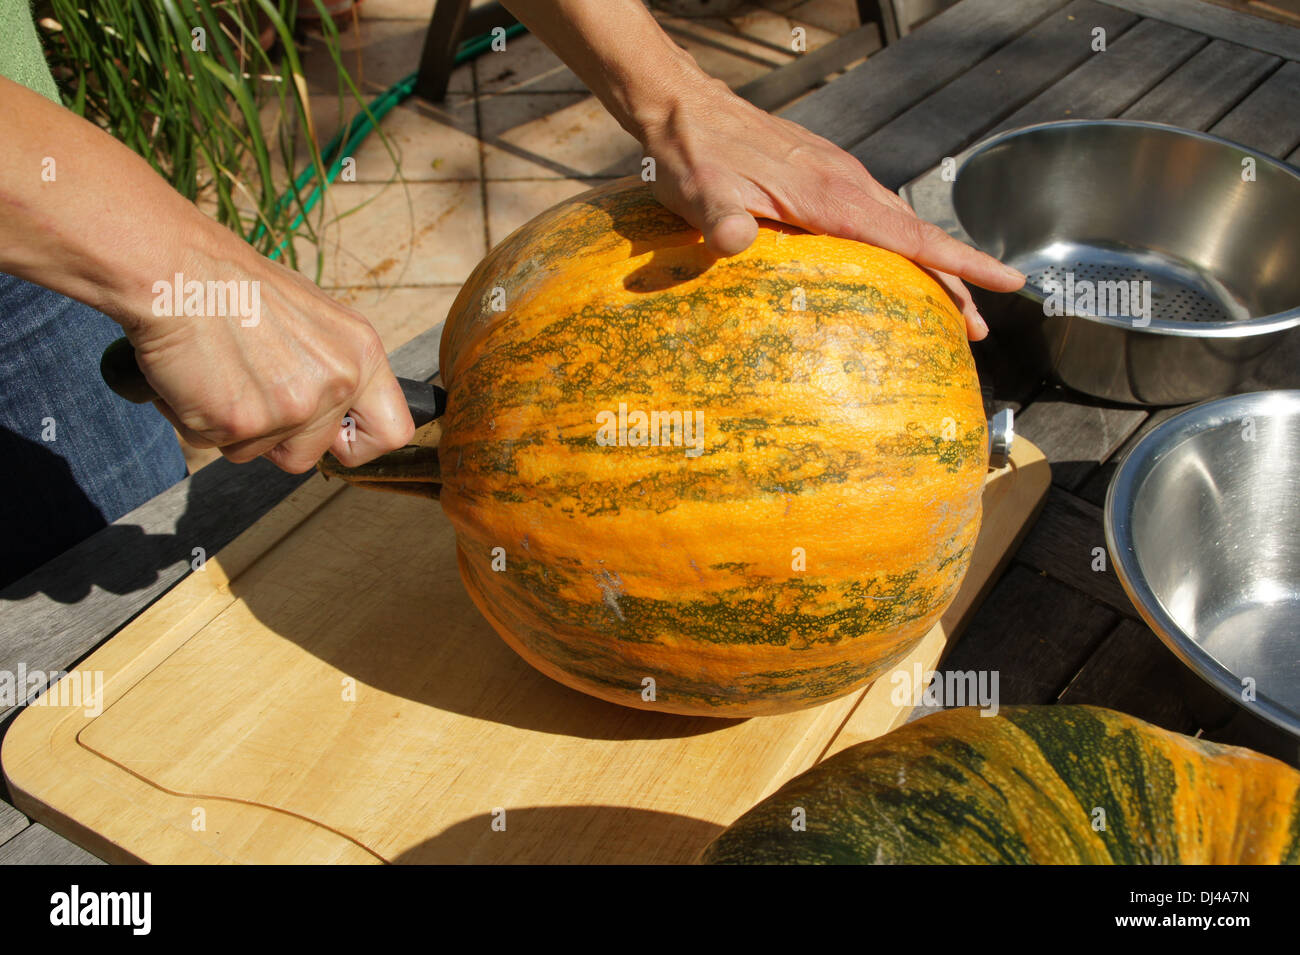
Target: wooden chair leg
{"type": "Point", "coordinates": [883, 13]}
{"type": "Point", "coordinates": [440, 44]}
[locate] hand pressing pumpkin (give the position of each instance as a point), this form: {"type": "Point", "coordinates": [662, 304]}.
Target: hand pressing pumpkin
{"type": "Point", "coordinates": [720, 162]}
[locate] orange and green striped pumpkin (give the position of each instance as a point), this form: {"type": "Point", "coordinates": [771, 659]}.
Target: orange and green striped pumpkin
{"type": "Point", "coordinates": [1033, 784]}
{"type": "Point", "coordinates": [808, 540]}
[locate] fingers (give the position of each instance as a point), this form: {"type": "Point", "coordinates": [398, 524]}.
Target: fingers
{"type": "Point", "coordinates": [193, 438]}
{"type": "Point", "coordinates": [731, 233]}
{"type": "Point", "coordinates": [976, 328]}
{"type": "Point", "coordinates": [901, 231]}
{"type": "Point", "coordinates": [846, 201]}
{"type": "Point", "coordinates": [378, 421]}
{"type": "Point", "coordinates": [294, 436]}
{"type": "Point", "coordinates": [712, 203]}
{"type": "Point", "coordinates": [301, 452]}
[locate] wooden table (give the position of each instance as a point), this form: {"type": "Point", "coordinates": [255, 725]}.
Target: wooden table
{"type": "Point", "coordinates": [1054, 628]}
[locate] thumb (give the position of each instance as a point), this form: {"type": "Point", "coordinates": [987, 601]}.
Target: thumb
{"type": "Point", "coordinates": [730, 232]}
{"type": "Point", "coordinates": [713, 206]}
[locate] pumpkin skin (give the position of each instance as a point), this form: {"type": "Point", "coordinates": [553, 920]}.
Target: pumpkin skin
{"type": "Point", "coordinates": [852, 428]}
{"type": "Point", "coordinates": [1022, 787]}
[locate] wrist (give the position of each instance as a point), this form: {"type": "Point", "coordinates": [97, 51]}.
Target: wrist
{"type": "Point", "coordinates": [156, 291]}
{"type": "Point", "coordinates": [646, 99]}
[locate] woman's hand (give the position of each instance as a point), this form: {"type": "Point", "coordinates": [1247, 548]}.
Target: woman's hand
{"type": "Point", "coordinates": [278, 383]}
{"type": "Point", "coordinates": [720, 162]}
{"type": "Point", "coordinates": [109, 230]}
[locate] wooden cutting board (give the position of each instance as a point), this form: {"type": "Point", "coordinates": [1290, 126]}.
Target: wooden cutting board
{"type": "Point", "coordinates": [325, 691]}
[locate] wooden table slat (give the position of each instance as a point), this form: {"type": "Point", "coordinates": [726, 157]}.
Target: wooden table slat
{"type": "Point", "coordinates": [1063, 544]}
{"type": "Point", "coordinates": [958, 114]}
{"type": "Point", "coordinates": [1107, 83]}
{"type": "Point", "coordinates": [1269, 118]}
{"type": "Point", "coordinates": [1133, 672]}
{"type": "Point", "coordinates": [1035, 633]}
{"type": "Point", "coordinates": [1209, 18]}
{"type": "Point", "coordinates": [1207, 86]}
{"type": "Point", "coordinates": [1094, 489]}
{"type": "Point", "coordinates": [37, 845]}
{"type": "Point", "coordinates": [779, 86]}
{"type": "Point", "coordinates": [12, 822]}
{"type": "Point", "coordinates": [870, 95]}
{"type": "Point", "coordinates": [1077, 434]}
{"type": "Point", "coordinates": [1280, 367]}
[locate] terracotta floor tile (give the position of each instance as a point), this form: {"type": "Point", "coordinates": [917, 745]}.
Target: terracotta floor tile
{"type": "Point", "coordinates": [763, 28]}
{"type": "Point", "coordinates": [436, 241]}
{"type": "Point", "coordinates": [513, 202]}
{"type": "Point", "coordinates": [397, 10]}
{"type": "Point", "coordinates": [399, 314]}
{"type": "Point", "coordinates": [721, 52]}
{"type": "Point", "coordinates": [553, 136]}
{"type": "Point", "coordinates": [390, 50]}
{"type": "Point", "coordinates": [525, 65]}
{"type": "Point", "coordinates": [837, 16]}
{"type": "Point", "coordinates": [433, 142]}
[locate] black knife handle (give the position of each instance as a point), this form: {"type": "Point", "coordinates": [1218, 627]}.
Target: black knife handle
{"type": "Point", "coordinates": [426, 402]}
{"type": "Point", "coordinates": [122, 373]}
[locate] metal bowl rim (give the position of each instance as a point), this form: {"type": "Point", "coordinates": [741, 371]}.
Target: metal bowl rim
{"type": "Point", "coordinates": [1238, 328]}
{"type": "Point", "coordinates": [1149, 451]}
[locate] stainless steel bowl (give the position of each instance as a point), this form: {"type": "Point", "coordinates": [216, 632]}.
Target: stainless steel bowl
{"type": "Point", "coordinates": [1117, 201]}
{"type": "Point", "coordinates": [1203, 525]}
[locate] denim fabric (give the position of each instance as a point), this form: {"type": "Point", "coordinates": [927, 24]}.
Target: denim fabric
{"type": "Point", "coordinates": [75, 457]}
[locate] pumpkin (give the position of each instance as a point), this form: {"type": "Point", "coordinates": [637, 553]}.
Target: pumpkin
{"type": "Point", "coordinates": [710, 486]}
{"type": "Point", "coordinates": [1033, 784]}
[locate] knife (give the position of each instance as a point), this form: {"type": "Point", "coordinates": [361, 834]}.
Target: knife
{"type": "Point", "coordinates": [122, 373]}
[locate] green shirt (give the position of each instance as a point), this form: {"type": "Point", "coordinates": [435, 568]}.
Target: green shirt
{"type": "Point", "coordinates": [21, 57]}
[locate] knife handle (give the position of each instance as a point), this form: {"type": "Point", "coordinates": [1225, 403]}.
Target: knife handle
{"type": "Point", "coordinates": [122, 373]}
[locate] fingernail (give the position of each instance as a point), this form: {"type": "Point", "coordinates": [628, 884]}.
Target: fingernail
{"type": "Point", "coordinates": [1012, 272]}
{"type": "Point", "coordinates": [980, 324]}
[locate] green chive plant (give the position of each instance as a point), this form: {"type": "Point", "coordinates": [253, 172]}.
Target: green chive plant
{"type": "Point", "coordinates": [207, 91]}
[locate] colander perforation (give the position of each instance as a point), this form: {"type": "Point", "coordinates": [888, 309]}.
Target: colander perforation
{"type": "Point", "coordinates": [1170, 300]}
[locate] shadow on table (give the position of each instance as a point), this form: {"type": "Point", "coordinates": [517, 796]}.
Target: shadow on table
{"type": "Point", "coordinates": [568, 834]}
{"type": "Point", "coordinates": [210, 506]}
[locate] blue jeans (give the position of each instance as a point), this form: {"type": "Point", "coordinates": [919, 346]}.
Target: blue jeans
{"type": "Point", "coordinates": [73, 456]}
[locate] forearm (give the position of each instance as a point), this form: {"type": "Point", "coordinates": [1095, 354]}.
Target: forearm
{"type": "Point", "coordinates": [98, 225]}
{"type": "Point", "coordinates": [620, 52]}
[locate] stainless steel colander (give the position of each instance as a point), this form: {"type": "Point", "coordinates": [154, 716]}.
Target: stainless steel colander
{"type": "Point", "coordinates": [1209, 229]}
